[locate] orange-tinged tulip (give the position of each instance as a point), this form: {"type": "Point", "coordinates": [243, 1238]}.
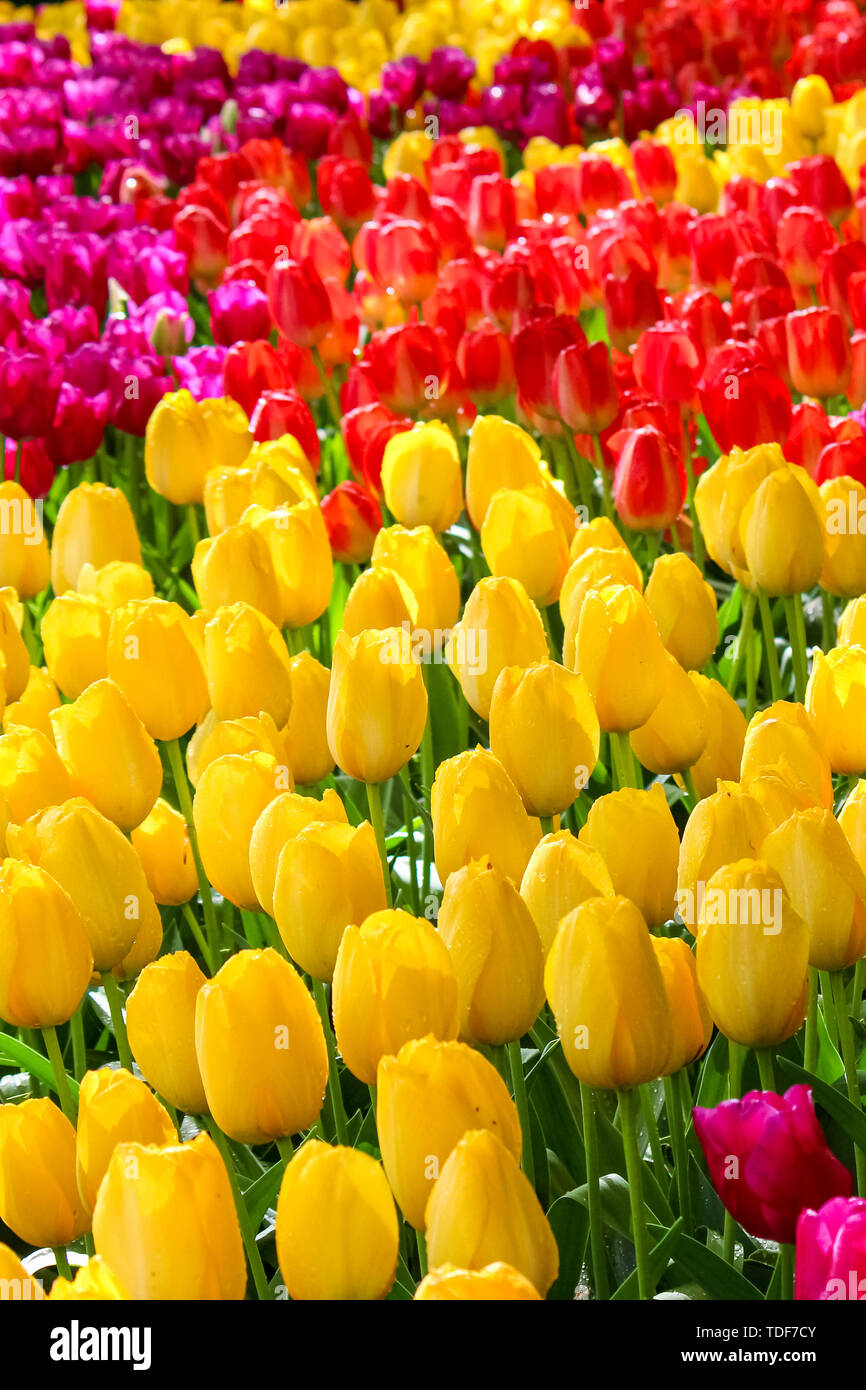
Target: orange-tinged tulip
{"type": "Point", "coordinates": [114, 1107]}
{"type": "Point", "coordinates": [39, 1198]}
{"type": "Point", "coordinates": [160, 1025]}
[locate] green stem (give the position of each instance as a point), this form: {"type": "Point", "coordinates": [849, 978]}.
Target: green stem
{"type": "Point", "coordinates": [286, 1149]}
{"type": "Point", "coordinates": [677, 1132]}
{"type": "Point", "coordinates": [521, 1100]}
{"type": "Point", "coordinates": [828, 1006]}
{"type": "Point", "coordinates": [59, 1252]}
{"type": "Point", "coordinates": [114, 998]}
{"type": "Point", "coordinates": [79, 1054]}
{"type": "Point", "coordinates": [623, 760]}
{"type": "Point", "coordinates": [628, 1108]}
{"type": "Point", "coordinates": [377, 820]}
{"type": "Point", "coordinates": [546, 825]}
{"type": "Point", "coordinates": [248, 1235]}
{"type": "Point", "coordinates": [545, 623]}
{"type": "Point", "coordinates": [192, 519]}
{"type": "Point", "coordinates": [320, 994]}
{"type": "Point", "coordinates": [766, 1069]}
{"type": "Point", "coordinates": [692, 798]}
{"type": "Point", "coordinates": [596, 1226]}
{"type": "Point", "coordinates": [849, 1057]}
{"type": "Point", "coordinates": [178, 772]}
{"type": "Point", "coordinates": [55, 1056]}
{"type": "Point", "coordinates": [409, 817]}
{"type": "Point", "coordinates": [192, 922]}
{"type": "Point", "coordinates": [810, 1048]}
{"type": "Point", "coordinates": [770, 652]}
{"type": "Point", "coordinates": [828, 621]}
{"type": "Point", "coordinates": [736, 1059]}
{"type": "Point", "coordinates": [422, 1252]}
{"type": "Point", "coordinates": [606, 489]}
{"type": "Point", "coordinates": [797, 634]}
{"type": "Point", "coordinates": [652, 1130]}
{"type": "Point", "coordinates": [786, 1266]}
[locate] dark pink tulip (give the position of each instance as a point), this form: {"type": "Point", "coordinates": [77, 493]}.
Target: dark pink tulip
{"type": "Point", "coordinates": [831, 1251]}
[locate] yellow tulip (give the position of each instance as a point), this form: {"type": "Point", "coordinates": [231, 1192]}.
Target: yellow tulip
{"type": "Point", "coordinates": [544, 730]}
{"type": "Point", "coordinates": [305, 736]}
{"type": "Point", "coordinates": [162, 844]}
{"type": "Point", "coordinates": [690, 1018]}
{"type": "Point", "coordinates": [636, 836]}
{"type": "Point", "coordinates": [377, 705]}
{"type": "Point", "coordinates": [478, 814]}
{"type": "Point", "coordinates": [114, 1107]}
{"type": "Point", "coordinates": [230, 796]}
{"type": "Point", "coordinates": [280, 821]}
{"type": "Point", "coordinates": [619, 653]}
{"type": "Point", "coordinates": [561, 874]}
{"type": "Point", "coordinates": [421, 477]}
{"type": "Point", "coordinates": [160, 1025]}
{"type": "Point", "coordinates": [39, 923]}
{"type": "Point", "coordinates": [39, 1198]}
{"type": "Point", "coordinates": [685, 609]}
{"type": "Point", "coordinates": [497, 1282]}
{"type": "Point", "coordinates": [500, 627]}
{"type": "Point", "coordinates": [75, 637]}
{"type": "Point", "coordinates": [155, 657]}
{"type": "Point", "coordinates": [112, 760]}
{"type": "Point", "coordinates": [247, 665]}
{"type": "Point", "coordinates": [825, 885]}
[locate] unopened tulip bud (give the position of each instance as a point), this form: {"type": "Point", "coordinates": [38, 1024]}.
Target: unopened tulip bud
{"type": "Point", "coordinates": [39, 922]}
{"type": "Point", "coordinates": [112, 759]}
{"type": "Point", "coordinates": [636, 836]}
{"type": "Point", "coordinates": [39, 1197]}
{"type": "Point", "coordinates": [824, 883]}
{"type": "Point", "coordinates": [377, 705]}
{"type": "Point", "coordinates": [619, 653]}
{"type": "Point", "coordinates": [836, 700]}
{"type": "Point", "coordinates": [690, 1018]}
{"type": "Point", "coordinates": [544, 729]}
{"type": "Point", "coordinates": [247, 665]}
{"type": "Point", "coordinates": [94, 525]}
{"type": "Point", "coordinates": [421, 477]}
{"type": "Point", "coordinates": [281, 820]}
{"type": "Point", "coordinates": [230, 796]}
{"type": "Point", "coordinates": [684, 607]}
{"type": "Point", "coordinates": [154, 655]}
{"type": "Point", "coordinates": [75, 638]}
{"type": "Point", "coordinates": [500, 627]}
{"type": "Point", "coordinates": [478, 814]}
{"type": "Point", "coordinates": [114, 1107]}
{"type": "Point", "coordinates": [160, 1025]}
{"type": "Point", "coordinates": [675, 735]}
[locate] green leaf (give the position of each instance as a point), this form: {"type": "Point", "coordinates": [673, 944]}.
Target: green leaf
{"type": "Point", "coordinates": [830, 1065]}
{"type": "Point", "coordinates": [713, 1273]}
{"type": "Point", "coordinates": [262, 1193]}
{"type": "Point", "coordinates": [713, 1086]}
{"type": "Point", "coordinates": [32, 1061]}
{"type": "Point", "coordinates": [569, 1221]}
{"type": "Point", "coordinates": [851, 1120]}
{"type": "Point", "coordinates": [659, 1258]}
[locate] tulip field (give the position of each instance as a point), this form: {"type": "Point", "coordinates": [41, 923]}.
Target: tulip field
{"type": "Point", "coordinates": [433, 652]}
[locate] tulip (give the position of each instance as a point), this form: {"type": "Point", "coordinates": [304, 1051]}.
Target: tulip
{"type": "Point", "coordinates": [215, 738]}
{"type": "Point", "coordinates": [99, 869]}
{"type": "Point", "coordinates": [154, 655]}
{"type": "Point", "coordinates": [33, 710]}
{"type": "Point", "coordinates": [721, 496]}
{"type": "Point", "coordinates": [160, 1024]}
{"type": "Point", "coordinates": [231, 795]}
{"type": "Point", "coordinates": [419, 558]}
{"type": "Point", "coordinates": [94, 526]}
{"type": "Point", "coordinates": [636, 836]}
{"type": "Point", "coordinates": [655, 170]}
{"type": "Point", "coordinates": [676, 733]}
{"type": "Point", "coordinates": [428, 1097]}
{"type": "Point", "coordinates": [724, 827]}
{"type": "Point", "coordinates": [377, 705]}
{"type": "Point", "coordinates": [478, 814]}
{"type": "Point", "coordinates": [782, 532]}
{"type": "Point", "coordinates": [844, 567]}
{"type": "Point", "coordinates": [561, 874]}
{"type": "Point", "coordinates": [726, 729]}
{"type": "Point", "coordinates": [486, 361]}
{"type": "Point", "coordinates": [75, 638]}
{"type": "Point", "coordinates": [116, 583]}
{"type": "Point", "coordinates": [585, 389]}
{"type": "Point", "coordinates": [162, 844]}
{"type": "Point", "coordinates": [13, 656]}
{"type": "Point", "coordinates": [185, 438]}
{"type": "Point", "coordinates": [165, 1222]}
{"type": "Point", "coordinates": [501, 455]}
{"type": "Point", "coordinates": [619, 653]}
{"type": "Point", "coordinates": [421, 477]}
{"type": "Point", "coordinates": [338, 1233]}
{"type": "Point", "coordinates": [114, 1107]}
{"type": "Point", "coordinates": [523, 537]}
{"type": "Point", "coordinates": [824, 883]}
{"type": "Point", "coordinates": [112, 760]}
{"type": "Point", "coordinates": [247, 665]}
{"type": "Point", "coordinates": [16, 1283]}
{"type": "Point", "coordinates": [819, 355]}
{"type": "Point", "coordinates": [500, 627]}
{"type": "Point", "coordinates": [690, 1018]}
{"type": "Point", "coordinates": [836, 700]}
{"type": "Point", "coordinates": [483, 1209]}
{"type": "Point", "coordinates": [39, 1198]}
{"type": "Point", "coordinates": [299, 302]}
{"type": "Point", "coordinates": [328, 876]}
{"type": "Point", "coordinates": [768, 1159]}
{"type": "Point", "coordinates": [831, 1251]}
{"type": "Point", "coordinates": [379, 598]}
{"type": "Point", "coordinates": [593, 568]}
{"type": "Point", "coordinates": [238, 565]}
{"type": "Point", "coordinates": [608, 996]}
{"type": "Point", "coordinates": [94, 1281]}
{"type": "Point", "coordinates": [649, 486]}
{"type": "Point", "coordinates": [32, 775]}
{"type": "Point", "coordinates": [281, 820]}
{"type": "Point", "coordinates": [24, 558]}
{"type": "Point", "coordinates": [810, 99]}
{"type": "Point", "coordinates": [548, 703]}
{"type": "Point", "coordinates": [352, 517]}
{"type": "Point", "coordinates": [784, 736]}
{"type": "Point", "coordinates": [393, 981]}
{"type": "Point", "coordinates": [753, 955]}
{"type": "Point", "coordinates": [496, 953]}
{"type": "Point", "coordinates": [39, 923]}
{"type": "Point", "coordinates": [261, 1049]}
{"type": "Point", "coordinates": [297, 543]}
{"type": "Point", "coordinates": [305, 734]}
{"type": "Point", "coordinates": [497, 1282]}
{"type": "Point", "coordinates": [684, 607]}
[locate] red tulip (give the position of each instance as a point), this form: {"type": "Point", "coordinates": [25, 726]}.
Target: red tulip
{"type": "Point", "coordinates": [29, 392]}
{"type": "Point", "coordinates": [492, 212]}
{"type": "Point", "coordinates": [408, 366]}
{"type": "Point", "coordinates": [318, 242]}
{"type": "Point", "coordinates": [366, 430]}
{"type": "Point", "coordinates": [820, 183]}
{"type": "Point", "coordinates": [285, 412]}
{"type": "Point", "coordinates": [406, 196]}
{"type": "Point", "coordinates": [810, 432]}
{"type": "Point", "coordinates": [667, 363]}
{"type": "Point", "coordinates": [768, 1159]}
{"type": "Point", "coordinates": [746, 404]}
{"type": "Point", "coordinates": [649, 483]}
{"type": "Point", "coordinates": [299, 302]}
{"type": "Point", "coordinates": [844, 458]}
{"type": "Point", "coordinates": [802, 234]}
{"type": "Point", "coordinates": [251, 368]}
{"type": "Point", "coordinates": [715, 244]}
{"type": "Point", "coordinates": [585, 389]}
{"type": "Point", "coordinates": [352, 517]}
{"type": "Point", "coordinates": [536, 348]}
{"type": "Point", "coordinates": [405, 260]}
{"type": "Point", "coordinates": [631, 305]}
{"type": "Point", "coordinates": [79, 426]}
{"type": "Point", "coordinates": [819, 354]}
{"type": "Point", "coordinates": [706, 320]}
{"type": "Point", "coordinates": [756, 272]}
{"type": "Point", "coordinates": [600, 184]}
{"type": "Point", "coordinates": [346, 191]}
{"type": "Point", "coordinates": [655, 170]}
{"type": "Point", "coordinates": [831, 1251]}
{"type": "Point", "coordinates": [836, 273]}
{"type": "Point", "coordinates": [486, 361]}
{"type": "Point", "coordinates": [204, 240]}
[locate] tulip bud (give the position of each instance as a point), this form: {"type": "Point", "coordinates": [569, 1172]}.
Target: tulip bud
{"type": "Point", "coordinates": [114, 1107]}
{"type": "Point", "coordinates": [379, 598]}
{"type": "Point", "coordinates": [649, 486]}
{"type": "Point", "coordinates": [497, 1282]}
{"type": "Point", "coordinates": [836, 700]}
{"type": "Point", "coordinates": [496, 953]}
{"type": "Point", "coordinates": [783, 533]}
{"type": "Point", "coordinates": [619, 653]}
{"type": "Point", "coordinates": [300, 554]}
{"type": "Point", "coordinates": [353, 518]}
{"type": "Point", "coordinates": [261, 1049]}
{"type": "Point", "coordinates": [185, 438]}
{"type": "Point", "coordinates": [33, 710]}
{"type": "Point", "coordinates": [726, 730]}
{"type": "Point", "coordinates": [299, 302]}
{"type": "Point", "coordinates": [39, 1198]}
{"type": "Point", "coordinates": [584, 387]}
{"type": "Point", "coordinates": [165, 1222]}
{"type": "Point", "coordinates": [561, 874]}
{"type": "Point", "coordinates": [824, 883]}
{"type": "Point", "coordinates": [478, 814]}
{"type": "Point", "coordinates": [14, 660]}
{"type": "Point", "coordinates": [247, 665]}
{"type": "Point", "coordinates": [377, 705]}
{"type": "Point", "coordinates": [724, 827]}
{"type": "Point", "coordinates": [75, 637]}
{"type": "Point", "coordinates": [419, 558]}
{"type": "Point", "coordinates": [112, 760]}
{"type": "Point", "coordinates": [215, 738]}
{"type": "Point", "coordinates": [501, 455]}
{"type": "Point", "coordinates": [593, 569]}
{"type": "Point", "coordinates": [844, 568]}
{"type": "Point", "coordinates": [428, 1097]}
{"type": "Point", "coordinates": [160, 1025]}
{"type": "Point", "coordinates": [607, 993]}
{"type": "Point", "coordinates": [328, 876]}
{"type": "Point", "coordinates": [690, 1018]}
{"type": "Point", "coordinates": [393, 981]}
{"type": "Point", "coordinates": [94, 1281]}
{"type": "Point", "coordinates": [281, 820]}
{"type": "Point", "coordinates": [94, 525]}
{"type": "Point", "coordinates": [39, 923]}
{"type": "Point", "coordinates": [117, 583]}
{"type": "Point", "coordinates": [155, 657]}
{"type": "Point", "coordinates": [237, 565]}
{"type": "Point", "coordinates": [484, 1209]}
{"type": "Point", "coordinates": [753, 955]}
{"type": "Point", "coordinates": [24, 558]}
{"type": "Point", "coordinates": [684, 607]}
{"type": "Point", "coordinates": [500, 627]}
{"type": "Point", "coordinates": [32, 775]}
{"type": "Point", "coordinates": [721, 496]}
{"type": "Point", "coordinates": [523, 537]}
{"type": "Point", "coordinates": [676, 733]}
{"type": "Point", "coordinates": [230, 796]}
{"type": "Point", "coordinates": [422, 478]}
{"type": "Point", "coordinates": [636, 836]}
{"type": "Point", "coordinates": [338, 1235]}
{"type": "Point", "coordinates": [544, 730]}
{"type": "Point", "coordinates": [819, 353]}
{"type": "Point", "coordinates": [809, 101]}
{"type": "Point", "coordinates": [783, 736]}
